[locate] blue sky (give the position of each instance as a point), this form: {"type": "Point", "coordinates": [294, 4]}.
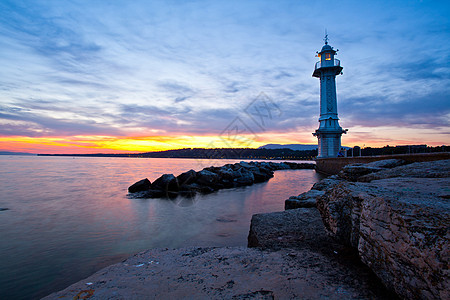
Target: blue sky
{"type": "Point", "coordinates": [136, 69]}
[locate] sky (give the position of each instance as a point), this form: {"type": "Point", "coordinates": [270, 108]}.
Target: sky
{"type": "Point", "coordinates": [95, 76]}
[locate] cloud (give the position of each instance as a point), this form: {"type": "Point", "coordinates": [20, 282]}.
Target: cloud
{"type": "Point", "coordinates": [129, 68]}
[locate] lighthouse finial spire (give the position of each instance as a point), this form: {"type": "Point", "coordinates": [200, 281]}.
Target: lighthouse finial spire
{"type": "Point", "coordinates": [326, 37]}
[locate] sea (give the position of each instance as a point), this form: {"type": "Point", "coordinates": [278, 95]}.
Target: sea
{"type": "Point", "coordinates": [68, 217]}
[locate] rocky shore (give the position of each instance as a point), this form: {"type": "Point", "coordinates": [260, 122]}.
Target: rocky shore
{"type": "Point", "coordinates": [374, 231]}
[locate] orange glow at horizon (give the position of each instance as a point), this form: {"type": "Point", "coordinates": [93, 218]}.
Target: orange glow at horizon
{"type": "Point", "coordinates": [364, 137]}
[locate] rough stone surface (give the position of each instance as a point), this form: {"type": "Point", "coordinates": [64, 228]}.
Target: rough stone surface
{"type": "Point", "coordinates": [354, 171]}
{"type": "Point", "coordinates": [296, 228]}
{"type": "Point", "coordinates": [141, 185]}
{"type": "Point", "coordinates": [431, 169]}
{"type": "Point", "coordinates": [400, 226]}
{"type": "Point", "coordinates": [225, 273]}
{"type": "Point", "coordinates": [306, 200]}
{"type": "Point", "coordinates": [327, 183]}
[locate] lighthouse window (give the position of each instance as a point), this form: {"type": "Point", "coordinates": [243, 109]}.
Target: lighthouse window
{"type": "Point", "coordinates": [327, 56]}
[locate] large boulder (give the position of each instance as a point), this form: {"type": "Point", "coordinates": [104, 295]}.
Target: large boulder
{"type": "Point", "coordinates": [167, 182]}
{"type": "Point", "coordinates": [141, 185]}
{"type": "Point", "coordinates": [400, 227]}
{"type": "Point", "coordinates": [245, 177]}
{"type": "Point", "coordinates": [187, 177]}
{"type": "Point", "coordinates": [207, 178]}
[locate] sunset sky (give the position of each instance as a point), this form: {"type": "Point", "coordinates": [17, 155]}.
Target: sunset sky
{"type": "Point", "coordinates": [116, 76]}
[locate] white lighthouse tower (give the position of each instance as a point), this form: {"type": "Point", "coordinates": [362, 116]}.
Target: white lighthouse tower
{"type": "Point", "coordinates": [329, 132]}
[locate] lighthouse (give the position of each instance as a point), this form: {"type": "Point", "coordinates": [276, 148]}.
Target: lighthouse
{"type": "Point", "coordinates": [329, 132]}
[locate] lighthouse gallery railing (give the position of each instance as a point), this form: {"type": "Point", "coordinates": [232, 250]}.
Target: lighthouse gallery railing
{"type": "Point", "coordinates": [328, 63]}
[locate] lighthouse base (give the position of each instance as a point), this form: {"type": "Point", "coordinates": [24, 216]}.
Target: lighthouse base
{"type": "Point", "coordinates": [329, 143]}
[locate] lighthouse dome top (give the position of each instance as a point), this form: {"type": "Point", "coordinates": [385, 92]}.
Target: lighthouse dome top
{"type": "Point", "coordinates": [326, 47]}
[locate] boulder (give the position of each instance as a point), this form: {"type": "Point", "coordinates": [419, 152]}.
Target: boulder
{"type": "Point", "coordinates": [207, 178]}
{"type": "Point", "coordinates": [400, 227]}
{"type": "Point", "coordinates": [354, 171]}
{"type": "Point", "coordinates": [245, 177]}
{"type": "Point", "coordinates": [141, 185]}
{"type": "Point", "coordinates": [187, 177]}
{"type": "Point", "coordinates": [304, 200]}
{"type": "Point", "coordinates": [297, 228]}
{"type": "Point", "coordinates": [166, 182]}
{"type": "Point", "coordinates": [191, 189]}
{"type": "Point", "coordinates": [327, 183]}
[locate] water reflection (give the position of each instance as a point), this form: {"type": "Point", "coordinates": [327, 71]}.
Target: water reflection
{"type": "Point", "coordinates": [70, 217]}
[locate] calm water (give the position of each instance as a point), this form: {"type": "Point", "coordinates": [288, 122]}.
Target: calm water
{"type": "Point", "coordinates": [70, 217]}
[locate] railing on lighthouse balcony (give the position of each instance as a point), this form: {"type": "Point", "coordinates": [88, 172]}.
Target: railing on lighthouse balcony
{"type": "Point", "coordinates": [327, 64]}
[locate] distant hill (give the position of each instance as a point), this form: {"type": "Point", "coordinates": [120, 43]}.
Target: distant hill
{"type": "Point", "coordinates": [15, 153]}
{"type": "Point", "coordinates": [298, 147]}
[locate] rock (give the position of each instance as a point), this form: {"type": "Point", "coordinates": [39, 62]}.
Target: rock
{"type": "Point", "coordinates": [141, 185]}
{"type": "Point", "coordinates": [404, 236]}
{"type": "Point", "coordinates": [245, 178]}
{"type": "Point", "coordinates": [354, 171]}
{"type": "Point", "coordinates": [262, 175]}
{"type": "Point", "coordinates": [306, 200]}
{"type": "Point", "coordinates": [149, 194]}
{"type": "Point", "coordinates": [225, 273]}
{"type": "Point", "coordinates": [192, 189]}
{"type": "Point", "coordinates": [327, 183]}
{"type": "Point", "coordinates": [297, 228]}
{"type": "Point", "coordinates": [207, 178]}
{"type": "Point", "coordinates": [166, 182]}
{"type": "Point", "coordinates": [400, 227]}
{"type": "Point", "coordinates": [187, 177]}
{"type": "Point", "coordinates": [386, 163]}
{"type": "Point", "coordinates": [3, 208]}
{"type": "Point", "coordinates": [430, 169]}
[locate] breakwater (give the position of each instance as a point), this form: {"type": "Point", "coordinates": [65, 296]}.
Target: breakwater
{"type": "Point", "coordinates": [211, 179]}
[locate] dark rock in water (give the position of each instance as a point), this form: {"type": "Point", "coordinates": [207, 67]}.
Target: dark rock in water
{"type": "Point", "coordinates": [192, 189]}
{"type": "Point", "coordinates": [149, 194]}
{"type": "Point", "coordinates": [207, 178]}
{"type": "Point", "coordinates": [245, 177]}
{"type": "Point", "coordinates": [3, 208]}
{"type": "Point", "coordinates": [166, 182]}
{"type": "Point", "coordinates": [187, 177]}
{"type": "Point", "coordinates": [141, 185]}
